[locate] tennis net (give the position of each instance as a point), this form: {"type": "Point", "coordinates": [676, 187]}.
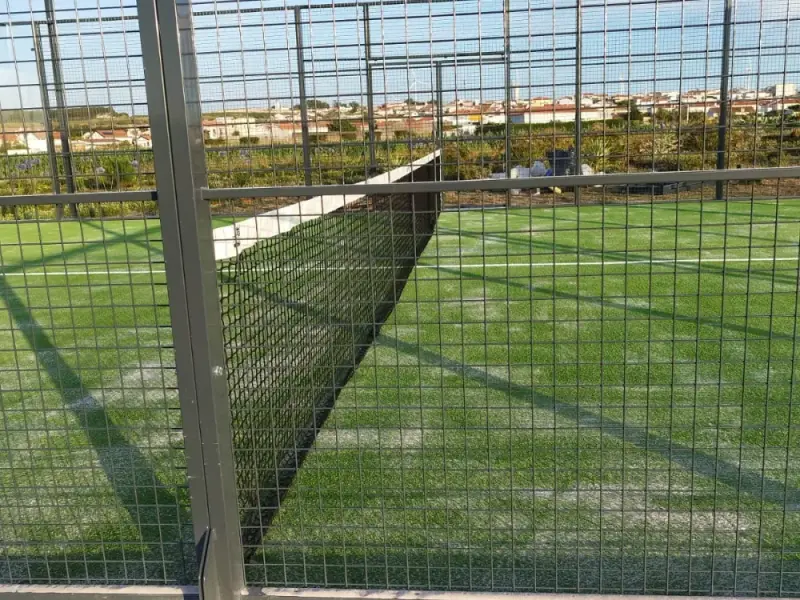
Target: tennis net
{"type": "Point", "coordinates": [305, 289]}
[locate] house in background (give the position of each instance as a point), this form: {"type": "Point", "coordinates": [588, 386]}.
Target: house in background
{"type": "Point", "coordinates": [29, 142]}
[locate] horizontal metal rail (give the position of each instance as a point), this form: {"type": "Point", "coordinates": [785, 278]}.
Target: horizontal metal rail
{"type": "Point", "coordinates": [335, 594]}
{"type": "Point", "coordinates": [98, 592]}
{"type": "Point", "coordinates": [81, 197]}
{"type": "Point", "coordinates": [144, 592]}
{"type": "Point", "coordinates": [501, 185]}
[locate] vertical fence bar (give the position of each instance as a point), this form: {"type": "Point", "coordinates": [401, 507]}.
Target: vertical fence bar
{"type": "Point", "coordinates": [194, 300]}
{"type": "Point", "coordinates": [191, 93]}
{"type": "Point", "coordinates": [439, 118]}
{"type": "Point", "coordinates": [578, 95]}
{"type": "Point", "coordinates": [61, 101]}
{"type": "Point", "coordinates": [722, 129]}
{"type": "Point", "coordinates": [47, 116]}
{"type": "Point", "coordinates": [373, 163]}
{"type": "Point", "coordinates": [507, 64]}
{"type": "Point", "coordinates": [301, 76]}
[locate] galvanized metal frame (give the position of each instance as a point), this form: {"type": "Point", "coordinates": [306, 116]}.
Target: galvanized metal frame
{"type": "Point", "coordinates": [33, 199]}
{"type": "Point", "coordinates": [61, 108]}
{"type": "Point", "coordinates": [373, 164]}
{"type": "Point", "coordinates": [525, 183]}
{"type": "Point", "coordinates": [193, 294]}
{"type": "Point", "coordinates": [578, 95]}
{"type": "Point", "coordinates": [39, 592]}
{"type": "Point", "coordinates": [335, 594]}
{"type": "Point", "coordinates": [301, 77]}
{"type": "Point", "coordinates": [194, 299]}
{"type": "Point", "coordinates": [81, 592]}
{"type": "Point", "coordinates": [48, 122]}
{"type": "Point", "coordinates": [724, 101]}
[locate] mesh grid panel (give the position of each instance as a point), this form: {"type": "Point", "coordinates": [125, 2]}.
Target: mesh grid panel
{"type": "Point", "coordinates": [594, 398]}
{"type": "Point", "coordinates": [332, 282]}
{"type": "Point", "coordinates": [92, 471]}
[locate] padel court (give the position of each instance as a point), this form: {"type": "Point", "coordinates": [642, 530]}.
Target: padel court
{"type": "Point", "coordinates": [561, 398]}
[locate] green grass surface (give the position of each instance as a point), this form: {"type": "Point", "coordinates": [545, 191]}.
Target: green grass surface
{"type": "Point", "coordinates": [92, 485]}
{"type": "Point", "coordinates": [624, 426]}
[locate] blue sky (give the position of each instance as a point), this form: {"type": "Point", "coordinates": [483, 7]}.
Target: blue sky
{"type": "Point", "coordinates": [249, 58]}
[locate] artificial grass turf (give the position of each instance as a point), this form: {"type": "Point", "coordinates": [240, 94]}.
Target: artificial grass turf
{"type": "Point", "coordinates": [518, 425]}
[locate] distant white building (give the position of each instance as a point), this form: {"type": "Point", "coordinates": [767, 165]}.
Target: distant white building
{"type": "Point", "coordinates": [233, 130]}
{"type": "Point", "coordinates": [37, 142]}
{"type": "Point", "coordinates": [563, 114]}
{"type": "Point", "coordinates": [782, 90]}
{"type": "Point", "coordinates": [29, 142]}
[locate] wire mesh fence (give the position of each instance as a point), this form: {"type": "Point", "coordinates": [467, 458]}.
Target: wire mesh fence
{"type": "Point", "coordinates": [92, 471]}
{"type": "Point", "coordinates": [592, 398]}
{"type": "Point", "coordinates": [261, 307]}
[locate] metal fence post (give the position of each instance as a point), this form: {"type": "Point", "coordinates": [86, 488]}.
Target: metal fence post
{"type": "Point", "coordinates": [373, 163]}
{"type": "Point", "coordinates": [722, 129]}
{"type": "Point", "coordinates": [507, 65]}
{"type": "Point", "coordinates": [47, 115]}
{"type": "Point", "coordinates": [439, 117]}
{"type": "Point", "coordinates": [301, 76]}
{"type": "Point", "coordinates": [578, 95]}
{"type": "Point", "coordinates": [172, 96]}
{"type": "Point", "coordinates": [61, 102]}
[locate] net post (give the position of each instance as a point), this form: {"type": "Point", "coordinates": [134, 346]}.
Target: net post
{"type": "Point", "coordinates": [722, 128]}
{"type": "Point", "coordinates": [373, 163]}
{"type": "Point", "coordinates": [173, 105]}
{"type": "Point", "coordinates": [301, 77]}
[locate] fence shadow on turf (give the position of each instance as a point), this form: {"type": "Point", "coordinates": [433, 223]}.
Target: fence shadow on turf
{"type": "Point", "coordinates": [625, 569]}
{"type": "Point", "coordinates": [753, 483]}
{"type": "Point", "coordinates": [165, 548]}
{"type": "Point", "coordinates": [122, 237]}
{"type": "Point", "coordinates": [549, 249]}
{"type": "Point", "coordinates": [647, 311]}
{"type": "Point", "coordinates": [79, 249]}
{"type": "Point", "coordinates": [550, 566]}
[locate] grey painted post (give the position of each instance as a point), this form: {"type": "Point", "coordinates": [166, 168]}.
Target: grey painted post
{"type": "Point", "coordinates": [301, 75]}
{"type": "Point", "coordinates": [171, 83]}
{"type": "Point", "coordinates": [722, 129]}
{"type": "Point", "coordinates": [439, 116]}
{"type": "Point", "coordinates": [47, 116]}
{"type": "Point", "coordinates": [373, 163]}
{"type": "Point", "coordinates": [61, 102]}
{"type": "Point", "coordinates": [578, 95]}
{"type": "Point", "coordinates": [507, 64]}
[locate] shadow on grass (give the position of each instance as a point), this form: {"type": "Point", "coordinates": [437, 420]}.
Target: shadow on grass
{"type": "Point", "coordinates": [80, 248]}
{"type": "Point", "coordinates": [650, 312]}
{"type": "Point", "coordinates": [753, 483]}
{"type": "Point", "coordinates": [548, 249]}
{"type": "Point", "coordinates": [524, 559]}
{"type": "Point", "coordinates": [126, 238]}
{"type": "Point", "coordinates": [163, 550]}
{"type": "Point", "coordinates": [600, 560]}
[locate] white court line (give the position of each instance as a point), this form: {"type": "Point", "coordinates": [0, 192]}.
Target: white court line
{"type": "Point", "coordinates": [445, 266]}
